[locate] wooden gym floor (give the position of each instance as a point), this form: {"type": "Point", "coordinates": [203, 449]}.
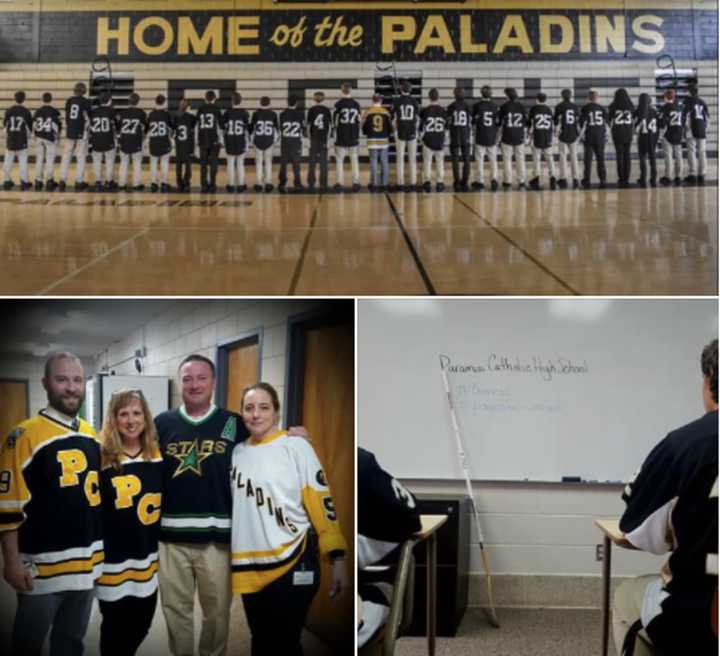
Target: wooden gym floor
{"type": "Point", "coordinates": [632, 241]}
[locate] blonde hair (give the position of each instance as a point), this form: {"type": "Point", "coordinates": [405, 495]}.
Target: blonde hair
{"type": "Point", "coordinates": [112, 445]}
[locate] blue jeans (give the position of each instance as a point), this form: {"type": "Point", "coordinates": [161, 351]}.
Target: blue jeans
{"type": "Point", "coordinates": [67, 612]}
{"type": "Point", "coordinates": [379, 158]}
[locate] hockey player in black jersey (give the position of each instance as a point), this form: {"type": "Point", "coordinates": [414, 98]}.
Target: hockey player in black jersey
{"type": "Point", "coordinates": [236, 126]}
{"type": "Point", "coordinates": [513, 121]}
{"type": "Point", "coordinates": [185, 140]}
{"type": "Point", "coordinates": [18, 130]}
{"type": "Point", "coordinates": [77, 124]}
{"type": "Point", "coordinates": [133, 126]}
{"type": "Point", "coordinates": [346, 123]}
{"type": "Point", "coordinates": [405, 116]}
{"type": "Point", "coordinates": [671, 124]}
{"type": "Point", "coordinates": [620, 113]}
{"type": "Point", "coordinates": [160, 130]}
{"type": "Point", "coordinates": [460, 126]}
{"type": "Point", "coordinates": [567, 122]}
{"type": "Point", "coordinates": [292, 126]}
{"type": "Point", "coordinates": [647, 128]}
{"type": "Point", "coordinates": [487, 128]}
{"type": "Point", "coordinates": [102, 139]}
{"type": "Point", "coordinates": [672, 506]}
{"type": "Point", "coordinates": [319, 122]}
{"type": "Point", "coordinates": [433, 125]}
{"type": "Point", "coordinates": [593, 126]}
{"type": "Point", "coordinates": [541, 132]}
{"type": "Point", "coordinates": [209, 121]}
{"type": "Point", "coordinates": [47, 125]}
{"type": "Point", "coordinates": [697, 118]}
{"type": "Point", "coordinates": [265, 132]}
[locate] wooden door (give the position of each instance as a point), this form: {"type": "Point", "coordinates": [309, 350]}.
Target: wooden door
{"type": "Point", "coordinates": [14, 405]}
{"type": "Point", "coordinates": [243, 365]}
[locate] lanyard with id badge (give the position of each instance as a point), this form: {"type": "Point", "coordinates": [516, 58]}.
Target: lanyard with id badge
{"type": "Point", "coordinates": [305, 573]}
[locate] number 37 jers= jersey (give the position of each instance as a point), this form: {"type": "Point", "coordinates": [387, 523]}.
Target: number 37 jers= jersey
{"type": "Point", "coordinates": [50, 494]}
{"type": "Point", "coordinates": [278, 490]}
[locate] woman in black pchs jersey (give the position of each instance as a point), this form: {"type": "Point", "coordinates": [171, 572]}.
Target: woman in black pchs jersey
{"type": "Point", "coordinates": [131, 490]}
{"type": "Point", "coordinates": [620, 113]}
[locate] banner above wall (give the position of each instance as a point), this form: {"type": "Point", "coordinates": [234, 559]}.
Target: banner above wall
{"type": "Point", "coordinates": [328, 36]}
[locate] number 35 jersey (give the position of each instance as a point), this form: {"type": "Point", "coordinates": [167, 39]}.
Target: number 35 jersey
{"type": "Point", "coordinates": [50, 494]}
{"type": "Point", "coordinates": [279, 491]}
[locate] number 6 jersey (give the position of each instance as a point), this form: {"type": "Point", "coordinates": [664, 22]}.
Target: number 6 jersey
{"type": "Point", "coordinates": [279, 491]}
{"type": "Point", "coordinates": [50, 494]}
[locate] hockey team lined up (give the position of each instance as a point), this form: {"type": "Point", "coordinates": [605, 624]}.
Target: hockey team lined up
{"type": "Point", "coordinates": [485, 127]}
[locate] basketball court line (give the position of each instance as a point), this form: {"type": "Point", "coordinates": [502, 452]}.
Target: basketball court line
{"type": "Point", "coordinates": [415, 255]}
{"type": "Point", "coordinates": [512, 242]}
{"type": "Point", "coordinates": [304, 249]}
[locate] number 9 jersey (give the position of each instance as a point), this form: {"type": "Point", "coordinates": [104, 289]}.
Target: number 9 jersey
{"type": "Point", "coordinates": [279, 491]}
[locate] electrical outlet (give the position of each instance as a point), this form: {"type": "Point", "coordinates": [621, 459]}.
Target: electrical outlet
{"type": "Point", "coordinates": [599, 553]}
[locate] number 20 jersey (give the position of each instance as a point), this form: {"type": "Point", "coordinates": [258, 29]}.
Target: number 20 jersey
{"type": "Point", "coordinates": [278, 490]}
{"type": "Point", "coordinates": [50, 494]}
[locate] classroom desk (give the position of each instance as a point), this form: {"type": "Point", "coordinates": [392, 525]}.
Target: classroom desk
{"type": "Point", "coordinates": [430, 525]}
{"type": "Point", "coordinates": [611, 535]}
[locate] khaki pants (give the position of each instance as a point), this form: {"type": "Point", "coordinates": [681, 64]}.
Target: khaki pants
{"type": "Point", "coordinates": [565, 149]}
{"type": "Point", "coordinates": [44, 153]}
{"type": "Point", "coordinates": [428, 156]}
{"type": "Point", "coordinates": [696, 152]}
{"type": "Point", "coordinates": [508, 151]}
{"type": "Point", "coordinates": [627, 605]}
{"type": "Point", "coordinates": [411, 145]}
{"type": "Point", "coordinates": [183, 569]}
{"type": "Point", "coordinates": [341, 152]}
{"type": "Point", "coordinates": [673, 160]}
{"type": "Point", "coordinates": [80, 148]}
{"type": "Point", "coordinates": [480, 153]}
{"type": "Point", "coordinates": [263, 166]}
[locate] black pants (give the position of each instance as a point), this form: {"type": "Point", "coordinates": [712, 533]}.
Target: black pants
{"type": "Point", "coordinates": [318, 153]}
{"type": "Point", "coordinates": [125, 623]}
{"type": "Point", "coordinates": [455, 152]}
{"type": "Point", "coordinates": [598, 150]}
{"type": "Point", "coordinates": [183, 172]}
{"type": "Point", "coordinates": [647, 152]}
{"type": "Point", "coordinates": [276, 614]}
{"type": "Point", "coordinates": [208, 158]}
{"type": "Point", "coordinates": [290, 156]}
{"type": "Point", "coordinates": [622, 154]}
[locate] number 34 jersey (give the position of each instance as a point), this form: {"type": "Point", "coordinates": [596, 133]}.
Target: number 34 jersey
{"type": "Point", "coordinates": [279, 490]}
{"type": "Point", "coordinates": [50, 494]}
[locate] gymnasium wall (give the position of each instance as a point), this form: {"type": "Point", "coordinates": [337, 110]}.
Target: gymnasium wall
{"type": "Point", "coordinates": [277, 48]}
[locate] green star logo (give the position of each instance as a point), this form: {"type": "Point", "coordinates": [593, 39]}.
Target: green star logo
{"type": "Point", "coordinates": [190, 460]}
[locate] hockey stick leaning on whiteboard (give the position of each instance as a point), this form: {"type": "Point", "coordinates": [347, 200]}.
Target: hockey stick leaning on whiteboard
{"type": "Point", "coordinates": [492, 615]}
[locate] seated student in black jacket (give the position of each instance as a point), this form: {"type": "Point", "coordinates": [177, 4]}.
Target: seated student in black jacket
{"type": "Point", "coordinates": [387, 516]}
{"type": "Point", "coordinates": [672, 506]}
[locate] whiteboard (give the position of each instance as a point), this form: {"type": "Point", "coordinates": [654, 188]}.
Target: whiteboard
{"type": "Point", "coordinates": [544, 389]}
{"type": "Point", "coordinates": [155, 389]}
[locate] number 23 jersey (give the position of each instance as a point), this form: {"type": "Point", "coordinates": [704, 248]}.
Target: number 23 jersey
{"type": "Point", "coordinates": [279, 490]}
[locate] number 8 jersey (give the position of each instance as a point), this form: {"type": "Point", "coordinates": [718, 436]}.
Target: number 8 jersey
{"type": "Point", "coordinates": [50, 494]}
{"type": "Point", "coordinates": [279, 491]}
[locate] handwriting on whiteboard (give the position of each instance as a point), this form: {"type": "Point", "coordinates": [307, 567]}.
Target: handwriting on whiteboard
{"type": "Point", "coordinates": [546, 368]}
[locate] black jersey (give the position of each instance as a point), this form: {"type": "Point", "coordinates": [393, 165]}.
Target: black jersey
{"type": "Point", "coordinates": [160, 128]}
{"type": "Point", "coordinates": [346, 120]}
{"type": "Point", "coordinates": [486, 116]}
{"type": "Point", "coordinates": [648, 127]}
{"type": "Point", "coordinates": [77, 116]}
{"type": "Point", "coordinates": [513, 120]}
{"type": "Point", "coordinates": [132, 122]}
{"type": "Point", "coordinates": [377, 127]}
{"type": "Point", "coordinates": [47, 123]}
{"type": "Point", "coordinates": [621, 120]}
{"type": "Point", "coordinates": [185, 123]}
{"type": "Point", "coordinates": [696, 114]}
{"type": "Point", "coordinates": [102, 128]}
{"type": "Point", "coordinates": [459, 121]}
{"type": "Point", "coordinates": [236, 126]}
{"type": "Point", "coordinates": [292, 126]}
{"type": "Point", "coordinates": [319, 119]}
{"type": "Point", "coordinates": [594, 120]}
{"type": "Point", "coordinates": [567, 118]}
{"type": "Point", "coordinates": [265, 128]}
{"type": "Point", "coordinates": [197, 454]}
{"type": "Point", "coordinates": [18, 123]}
{"type": "Point", "coordinates": [541, 123]}
{"type": "Point", "coordinates": [405, 113]}
{"type": "Point", "coordinates": [671, 120]}
{"type": "Point", "coordinates": [209, 121]}
{"type": "Point", "coordinates": [433, 123]}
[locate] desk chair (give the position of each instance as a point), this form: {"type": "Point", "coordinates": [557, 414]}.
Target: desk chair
{"type": "Point", "coordinates": [401, 607]}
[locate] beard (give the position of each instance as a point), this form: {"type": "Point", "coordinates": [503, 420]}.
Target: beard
{"type": "Point", "coordinates": [68, 405]}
